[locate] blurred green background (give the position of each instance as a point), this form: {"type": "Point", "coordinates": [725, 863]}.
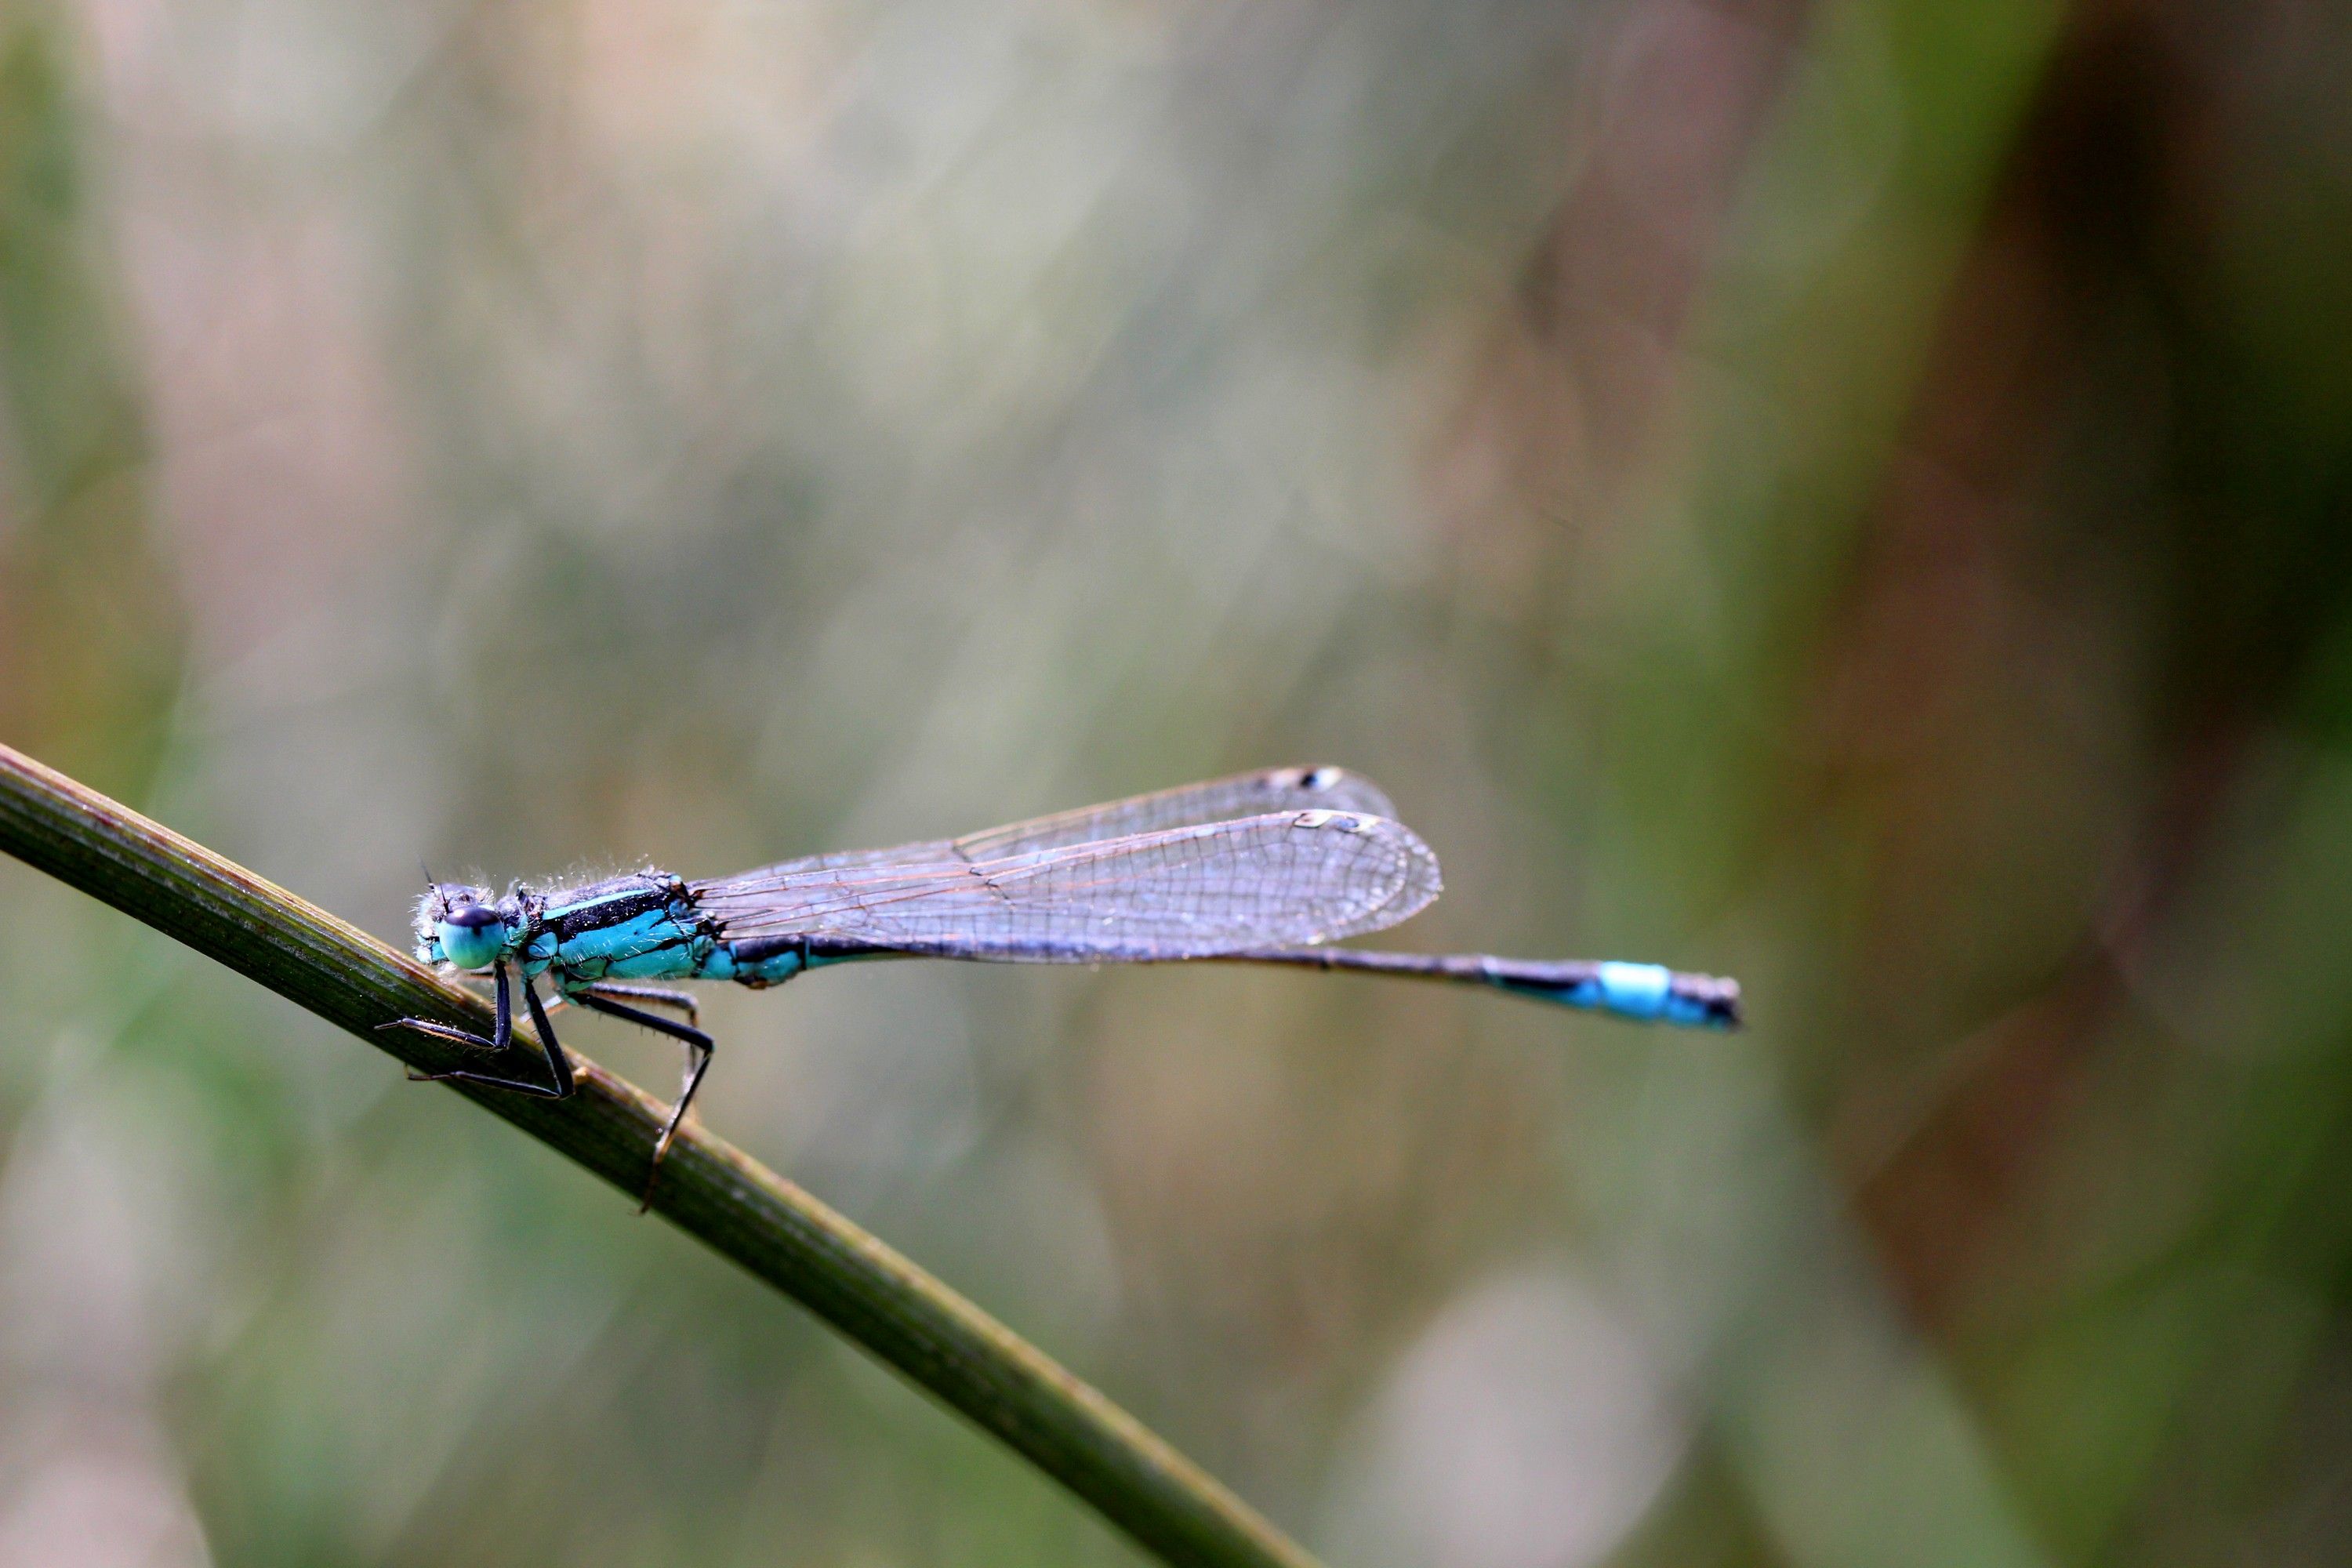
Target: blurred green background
{"type": "Point", "coordinates": [1854, 494]}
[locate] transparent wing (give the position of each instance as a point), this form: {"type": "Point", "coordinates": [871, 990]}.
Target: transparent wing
{"type": "Point", "coordinates": [1218, 800]}
{"type": "Point", "coordinates": [1274, 880]}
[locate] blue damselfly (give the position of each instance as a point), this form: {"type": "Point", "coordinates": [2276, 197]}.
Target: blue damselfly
{"type": "Point", "coordinates": [1264, 868]}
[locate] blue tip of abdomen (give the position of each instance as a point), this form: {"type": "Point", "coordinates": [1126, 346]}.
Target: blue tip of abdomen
{"type": "Point", "coordinates": [1646, 992]}
{"type": "Point", "coordinates": [1642, 991]}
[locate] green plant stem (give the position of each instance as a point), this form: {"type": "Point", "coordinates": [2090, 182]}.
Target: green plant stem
{"type": "Point", "coordinates": [710, 1190]}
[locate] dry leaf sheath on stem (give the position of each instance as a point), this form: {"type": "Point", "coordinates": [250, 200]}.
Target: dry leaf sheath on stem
{"type": "Point", "coordinates": [710, 1190]}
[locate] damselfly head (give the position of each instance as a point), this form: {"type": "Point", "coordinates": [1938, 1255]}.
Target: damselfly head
{"type": "Point", "coordinates": [458, 924]}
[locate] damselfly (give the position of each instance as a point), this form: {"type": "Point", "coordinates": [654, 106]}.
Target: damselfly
{"type": "Point", "coordinates": [1258, 868]}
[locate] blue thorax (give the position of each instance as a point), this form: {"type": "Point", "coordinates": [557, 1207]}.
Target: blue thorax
{"type": "Point", "coordinates": [642, 926]}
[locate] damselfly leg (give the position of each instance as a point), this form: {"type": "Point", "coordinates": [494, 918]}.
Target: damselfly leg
{"type": "Point", "coordinates": [501, 1032]}
{"type": "Point", "coordinates": [558, 1085]}
{"type": "Point", "coordinates": [656, 996]}
{"type": "Point", "coordinates": [699, 1047]}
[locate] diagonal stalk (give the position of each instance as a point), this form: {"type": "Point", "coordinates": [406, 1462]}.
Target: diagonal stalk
{"type": "Point", "coordinates": [933, 1337]}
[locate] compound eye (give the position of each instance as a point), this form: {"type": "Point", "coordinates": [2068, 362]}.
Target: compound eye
{"type": "Point", "coordinates": [472, 935]}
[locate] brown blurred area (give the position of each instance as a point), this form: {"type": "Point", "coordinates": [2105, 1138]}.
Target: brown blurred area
{"type": "Point", "coordinates": [1853, 495]}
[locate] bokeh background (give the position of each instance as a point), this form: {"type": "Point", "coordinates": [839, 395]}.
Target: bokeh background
{"type": "Point", "coordinates": [1856, 495]}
